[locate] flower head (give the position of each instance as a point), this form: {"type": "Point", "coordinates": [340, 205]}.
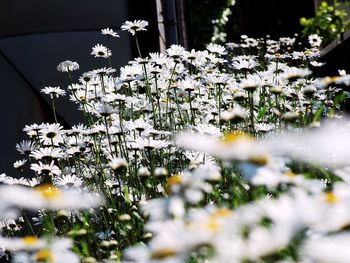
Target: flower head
{"type": "Point", "coordinates": [133, 27]}
{"type": "Point", "coordinates": [315, 40]}
{"type": "Point", "coordinates": [19, 164]}
{"type": "Point", "coordinates": [100, 51]}
{"type": "Point", "coordinates": [67, 66]}
{"type": "Point", "coordinates": [47, 196]}
{"type": "Point", "coordinates": [109, 32]}
{"type": "Point", "coordinates": [53, 92]}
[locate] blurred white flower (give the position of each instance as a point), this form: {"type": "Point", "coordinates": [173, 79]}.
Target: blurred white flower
{"type": "Point", "coordinates": [328, 249]}
{"type": "Point", "coordinates": [232, 146]}
{"type": "Point", "coordinates": [315, 40]}
{"type": "Point", "coordinates": [48, 197]}
{"type": "Point", "coordinates": [328, 145]}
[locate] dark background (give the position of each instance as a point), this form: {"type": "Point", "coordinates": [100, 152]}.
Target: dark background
{"type": "Point", "coordinates": [35, 36]}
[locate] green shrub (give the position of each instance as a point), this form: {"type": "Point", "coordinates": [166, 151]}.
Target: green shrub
{"type": "Point", "coordinates": [329, 22]}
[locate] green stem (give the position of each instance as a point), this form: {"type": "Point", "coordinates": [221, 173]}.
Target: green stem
{"type": "Point", "coordinates": [158, 103]}
{"type": "Point", "coordinates": [219, 108]}
{"type": "Point", "coordinates": [251, 106]}
{"type": "Point", "coordinates": [191, 109]}
{"type": "Point", "coordinates": [178, 106]}
{"type": "Point", "coordinates": [138, 46]}
{"type": "Point", "coordinates": [168, 92]}
{"type": "Point", "coordinates": [108, 136]}
{"type": "Point", "coordinates": [54, 109]}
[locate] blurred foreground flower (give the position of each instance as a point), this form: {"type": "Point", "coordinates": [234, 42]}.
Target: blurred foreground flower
{"type": "Point", "coordinates": [328, 145]}
{"type": "Point", "coordinates": [32, 249]}
{"type": "Point", "coordinates": [233, 146]}
{"type": "Point", "coordinates": [47, 197]}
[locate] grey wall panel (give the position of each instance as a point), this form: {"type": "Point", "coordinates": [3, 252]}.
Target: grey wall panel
{"type": "Point", "coordinates": [19, 106]}
{"type": "Point", "coordinates": [30, 16]}
{"type": "Point", "coordinates": [35, 36]}
{"type": "Point", "coordinates": [31, 65]}
{"type": "Point", "coordinates": [36, 57]}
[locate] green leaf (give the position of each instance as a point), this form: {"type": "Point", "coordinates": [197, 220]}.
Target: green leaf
{"type": "Point", "coordinates": [126, 194]}
{"type": "Point", "coordinates": [339, 98]}
{"type": "Point", "coordinates": [262, 113]}
{"type": "Point", "coordinates": [318, 114]}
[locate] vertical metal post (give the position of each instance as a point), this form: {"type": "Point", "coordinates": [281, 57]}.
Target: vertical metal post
{"type": "Point", "coordinates": [182, 24]}
{"type": "Point", "coordinates": [161, 27]}
{"type": "Point", "coordinates": [170, 22]}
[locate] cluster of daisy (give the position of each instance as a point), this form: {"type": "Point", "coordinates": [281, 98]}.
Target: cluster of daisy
{"type": "Point", "coordinates": [221, 155]}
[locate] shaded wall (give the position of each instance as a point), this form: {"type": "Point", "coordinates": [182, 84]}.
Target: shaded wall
{"type": "Point", "coordinates": [276, 18]}
{"type": "Point", "coordinates": [145, 10]}
{"type": "Point", "coordinates": [35, 36]}
{"type": "Point", "coordinates": [26, 17]}
{"type": "Point", "coordinates": [336, 56]}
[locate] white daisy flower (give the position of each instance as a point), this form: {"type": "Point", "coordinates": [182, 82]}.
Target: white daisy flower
{"type": "Point", "coordinates": [232, 146]}
{"type": "Point", "coordinates": [109, 32]}
{"type": "Point", "coordinates": [149, 143]}
{"type": "Point", "coordinates": [100, 51]}
{"type": "Point", "coordinates": [19, 164]}
{"type": "Point", "coordinates": [134, 26]}
{"type": "Point", "coordinates": [315, 40]}
{"type": "Point", "coordinates": [315, 145]}
{"type": "Point", "coordinates": [47, 153]}
{"type": "Point", "coordinates": [32, 249]}
{"type": "Point", "coordinates": [329, 249]}
{"type": "Point", "coordinates": [26, 147]}
{"type": "Point", "coordinates": [217, 49]}
{"type": "Point", "coordinates": [51, 134]}
{"type": "Point", "coordinates": [53, 91]}
{"type": "Point", "coordinates": [67, 66]}
{"type": "Point", "coordinates": [42, 168]}
{"type": "Point", "coordinates": [116, 163]}
{"type": "Point", "coordinates": [48, 197]}
{"type": "Point", "coordinates": [68, 181]}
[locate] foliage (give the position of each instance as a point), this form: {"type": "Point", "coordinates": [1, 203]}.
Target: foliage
{"type": "Point", "coordinates": [219, 34]}
{"type": "Point", "coordinates": [203, 14]}
{"type": "Point", "coordinates": [329, 22]}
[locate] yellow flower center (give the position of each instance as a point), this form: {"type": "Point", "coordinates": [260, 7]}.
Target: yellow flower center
{"type": "Point", "coordinates": [48, 191]}
{"type": "Point", "coordinates": [330, 80]}
{"type": "Point", "coordinates": [30, 240]}
{"type": "Point", "coordinates": [308, 52]}
{"type": "Point", "coordinates": [331, 198]}
{"type": "Point", "coordinates": [222, 212]}
{"type": "Point", "coordinates": [290, 174]}
{"type": "Point", "coordinates": [163, 253]}
{"type": "Point", "coordinates": [176, 179]}
{"type": "Point", "coordinates": [44, 255]}
{"type": "Point", "coordinates": [173, 180]}
{"type": "Point", "coordinates": [259, 159]}
{"type": "Point", "coordinates": [213, 224]}
{"type": "Point", "coordinates": [277, 55]}
{"type": "Point", "coordinates": [234, 137]}
{"type": "Point", "coordinates": [229, 139]}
